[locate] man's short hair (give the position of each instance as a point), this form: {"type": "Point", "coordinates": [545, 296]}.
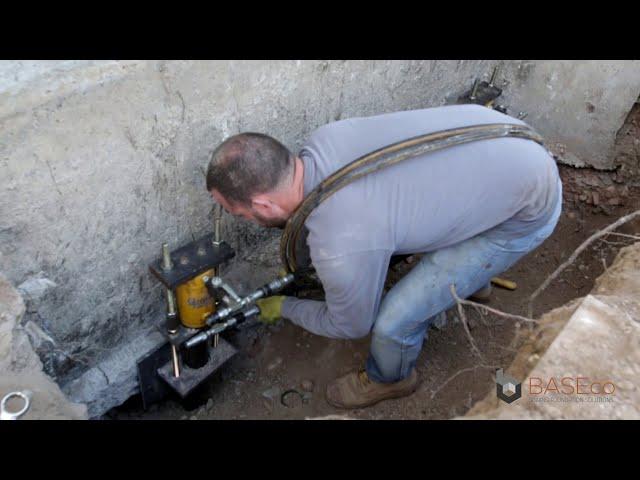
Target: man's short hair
{"type": "Point", "coordinates": [248, 164]}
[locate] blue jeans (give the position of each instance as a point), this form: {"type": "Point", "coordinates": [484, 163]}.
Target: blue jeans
{"type": "Point", "coordinates": [413, 303]}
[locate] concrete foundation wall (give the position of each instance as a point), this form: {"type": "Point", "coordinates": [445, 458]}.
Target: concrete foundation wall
{"type": "Point", "coordinates": [102, 161]}
{"type": "Point", "coordinates": [578, 106]}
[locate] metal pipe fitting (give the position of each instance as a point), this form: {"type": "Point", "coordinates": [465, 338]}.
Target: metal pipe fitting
{"type": "Point", "coordinates": [219, 327]}
{"type": "Point", "coordinates": [264, 291]}
{"type": "Point", "coordinates": [217, 282]}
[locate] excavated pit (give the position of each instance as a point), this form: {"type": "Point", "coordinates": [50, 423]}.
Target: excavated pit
{"type": "Point", "coordinates": [77, 310]}
{"type": "Point", "coordinates": [276, 359]}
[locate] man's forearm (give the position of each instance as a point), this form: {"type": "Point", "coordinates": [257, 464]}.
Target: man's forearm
{"type": "Point", "coordinates": [313, 315]}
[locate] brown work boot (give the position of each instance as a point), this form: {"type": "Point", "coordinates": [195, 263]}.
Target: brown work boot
{"type": "Point", "coordinates": [357, 390]}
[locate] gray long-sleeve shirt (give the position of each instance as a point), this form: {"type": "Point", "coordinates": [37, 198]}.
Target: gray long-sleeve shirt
{"type": "Point", "coordinates": [420, 205]}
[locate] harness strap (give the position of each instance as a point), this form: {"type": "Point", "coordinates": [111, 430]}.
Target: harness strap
{"type": "Point", "coordinates": [382, 158]}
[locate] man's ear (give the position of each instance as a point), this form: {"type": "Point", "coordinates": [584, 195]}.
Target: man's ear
{"type": "Point", "coordinates": [261, 203]}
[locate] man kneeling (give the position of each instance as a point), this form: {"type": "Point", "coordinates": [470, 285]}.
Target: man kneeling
{"type": "Point", "coordinates": [473, 210]}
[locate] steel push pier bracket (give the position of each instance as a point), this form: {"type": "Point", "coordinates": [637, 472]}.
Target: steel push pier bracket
{"type": "Point", "coordinates": [163, 369]}
{"type": "Point", "coordinates": [171, 366]}
{"type": "Point", "coordinates": [190, 378]}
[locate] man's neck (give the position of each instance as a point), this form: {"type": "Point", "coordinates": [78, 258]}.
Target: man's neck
{"type": "Point", "coordinates": [298, 185]}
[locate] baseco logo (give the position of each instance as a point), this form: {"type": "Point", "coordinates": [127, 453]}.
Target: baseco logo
{"type": "Point", "coordinates": [507, 388]}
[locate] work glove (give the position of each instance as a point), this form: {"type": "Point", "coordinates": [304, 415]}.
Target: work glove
{"type": "Point", "coordinates": [270, 309]}
{"type": "Point", "coordinates": [283, 272]}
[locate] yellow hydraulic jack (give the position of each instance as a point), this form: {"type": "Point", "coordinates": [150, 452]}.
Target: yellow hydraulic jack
{"type": "Point", "coordinates": [194, 302]}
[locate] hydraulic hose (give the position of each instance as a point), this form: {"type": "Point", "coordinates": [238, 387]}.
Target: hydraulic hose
{"type": "Point", "coordinates": [383, 158]}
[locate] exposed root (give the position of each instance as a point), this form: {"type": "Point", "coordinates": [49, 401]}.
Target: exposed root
{"type": "Point", "coordinates": [600, 233]}
{"type": "Point", "coordinates": [635, 237]}
{"type": "Point", "coordinates": [480, 306]}
{"type": "Point", "coordinates": [463, 319]}
{"type": "Point", "coordinates": [614, 244]}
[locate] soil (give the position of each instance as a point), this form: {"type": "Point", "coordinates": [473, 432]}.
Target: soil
{"type": "Point", "coordinates": [273, 360]}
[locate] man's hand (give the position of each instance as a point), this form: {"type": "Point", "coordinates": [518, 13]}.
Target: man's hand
{"type": "Point", "coordinates": [270, 309]}
{"type": "Point", "coordinates": [283, 272]}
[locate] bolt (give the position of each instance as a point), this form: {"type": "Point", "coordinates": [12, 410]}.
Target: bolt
{"type": "Point", "coordinates": [216, 231]}
{"type": "Point", "coordinates": [184, 260]}
{"type": "Point", "coordinates": [176, 362]}
{"type": "Point", "coordinates": [474, 90]}
{"type": "Point", "coordinates": [172, 318]}
{"type": "Point", "coordinates": [166, 257]}
{"type": "Point", "coordinates": [493, 75]}
{"type": "Point", "coordinates": [171, 303]}
{"type": "Point", "coordinates": [216, 226]}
